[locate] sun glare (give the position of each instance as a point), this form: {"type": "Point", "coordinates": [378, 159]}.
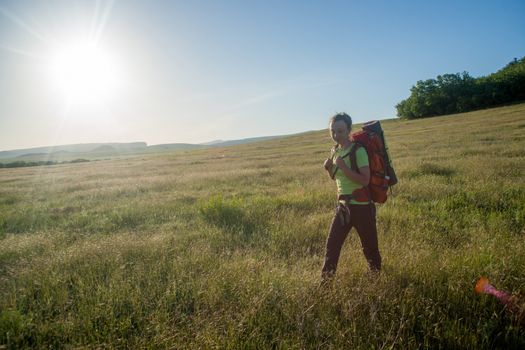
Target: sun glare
{"type": "Point", "coordinates": [83, 73]}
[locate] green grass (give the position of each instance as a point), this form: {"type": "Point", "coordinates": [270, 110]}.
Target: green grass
{"type": "Point", "coordinates": [222, 248]}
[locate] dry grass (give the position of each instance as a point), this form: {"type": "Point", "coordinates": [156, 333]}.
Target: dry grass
{"type": "Point", "coordinates": [223, 247]}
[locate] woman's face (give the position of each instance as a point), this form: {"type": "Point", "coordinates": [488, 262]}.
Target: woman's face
{"type": "Point", "coordinates": [339, 131]}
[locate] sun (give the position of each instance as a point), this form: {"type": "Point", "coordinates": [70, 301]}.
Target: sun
{"type": "Point", "coordinates": [83, 73]}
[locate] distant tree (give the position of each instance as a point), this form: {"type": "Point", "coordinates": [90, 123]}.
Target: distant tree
{"type": "Point", "coordinates": [455, 93]}
{"type": "Point", "coordinates": [21, 163]}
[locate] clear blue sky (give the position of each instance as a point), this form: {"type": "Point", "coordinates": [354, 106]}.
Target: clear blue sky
{"type": "Point", "coordinates": [196, 71]}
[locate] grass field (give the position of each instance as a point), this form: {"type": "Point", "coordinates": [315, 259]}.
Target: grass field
{"type": "Point", "coordinates": [222, 248]}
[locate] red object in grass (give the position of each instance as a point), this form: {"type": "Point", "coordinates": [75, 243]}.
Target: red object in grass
{"type": "Point", "coordinates": [484, 287]}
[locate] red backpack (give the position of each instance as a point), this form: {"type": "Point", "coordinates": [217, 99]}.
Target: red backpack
{"type": "Point", "coordinates": [382, 174]}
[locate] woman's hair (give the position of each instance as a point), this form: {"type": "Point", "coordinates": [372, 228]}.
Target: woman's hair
{"type": "Point", "coordinates": [344, 117]}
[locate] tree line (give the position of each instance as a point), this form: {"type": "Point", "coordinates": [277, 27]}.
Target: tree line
{"type": "Point", "coordinates": [457, 93]}
{"type": "Point", "coordinates": [21, 163]}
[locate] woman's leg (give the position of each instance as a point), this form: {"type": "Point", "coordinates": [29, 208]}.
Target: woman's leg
{"type": "Point", "coordinates": [364, 220]}
{"type": "Point", "coordinates": [338, 231]}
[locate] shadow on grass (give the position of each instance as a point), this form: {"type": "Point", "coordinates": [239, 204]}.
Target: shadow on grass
{"type": "Point", "coordinates": [506, 207]}
{"type": "Point", "coordinates": [430, 169]}
{"type": "Point", "coordinates": [227, 214]}
{"type": "Point", "coordinates": [260, 216]}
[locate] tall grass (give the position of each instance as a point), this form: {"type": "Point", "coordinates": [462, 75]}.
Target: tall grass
{"type": "Point", "coordinates": [222, 248]}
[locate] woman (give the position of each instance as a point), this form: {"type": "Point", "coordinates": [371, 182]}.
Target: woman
{"type": "Point", "coordinates": [355, 209]}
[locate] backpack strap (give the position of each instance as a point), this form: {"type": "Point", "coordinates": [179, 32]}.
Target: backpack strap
{"type": "Point", "coordinates": [353, 158]}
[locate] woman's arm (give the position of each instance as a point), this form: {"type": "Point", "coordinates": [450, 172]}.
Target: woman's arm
{"type": "Point", "coordinates": [328, 166]}
{"type": "Point", "coordinates": [362, 177]}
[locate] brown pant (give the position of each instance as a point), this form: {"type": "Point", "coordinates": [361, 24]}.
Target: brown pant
{"type": "Point", "coordinates": [363, 218]}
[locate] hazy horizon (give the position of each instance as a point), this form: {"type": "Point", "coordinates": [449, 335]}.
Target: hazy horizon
{"type": "Point", "coordinates": [192, 72]}
{"type": "Point", "coordinates": [210, 142]}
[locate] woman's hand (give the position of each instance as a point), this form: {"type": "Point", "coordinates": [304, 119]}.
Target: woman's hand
{"type": "Point", "coordinates": [328, 164]}
{"type": "Point", "coordinates": [340, 162]}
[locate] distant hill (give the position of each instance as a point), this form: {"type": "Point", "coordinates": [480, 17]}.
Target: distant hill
{"type": "Point", "coordinates": [243, 141]}
{"type": "Point", "coordinates": [174, 146]}
{"type": "Point", "coordinates": [214, 142]}
{"type": "Point", "coordinates": [75, 148]}
{"type": "Point", "coordinates": [103, 150]}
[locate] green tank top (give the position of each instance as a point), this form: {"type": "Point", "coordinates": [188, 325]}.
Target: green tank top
{"type": "Point", "coordinates": [344, 184]}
